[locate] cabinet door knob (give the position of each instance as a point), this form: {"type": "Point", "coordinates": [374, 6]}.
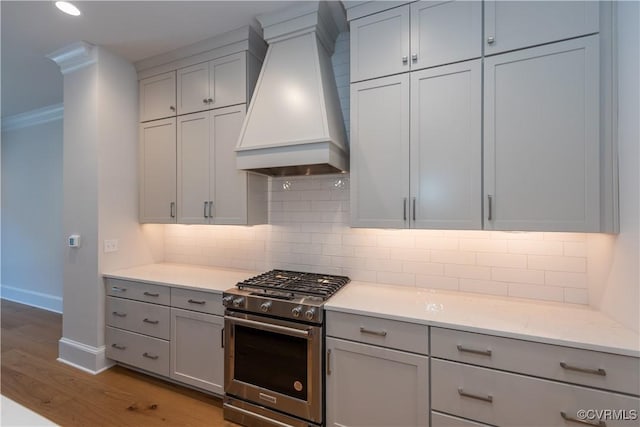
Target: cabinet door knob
{"type": "Point", "coordinates": [209, 100]}
{"type": "Point", "coordinates": [205, 101]}
{"type": "Point", "coordinates": [491, 40]}
{"type": "Point", "coordinates": [405, 59]}
{"type": "Point", "coordinates": [172, 108]}
{"type": "Point", "coordinates": [414, 57]}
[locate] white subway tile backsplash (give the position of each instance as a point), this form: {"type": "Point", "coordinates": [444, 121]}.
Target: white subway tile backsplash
{"type": "Point", "coordinates": [483, 245]}
{"type": "Point", "coordinates": [545, 293]}
{"type": "Point", "coordinates": [563, 279]}
{"type": "Point", "coordinates": [535, 247]}
{"type": "Point", "coordinates": [519, 275]}
{"type": "Point", "coordinates": [453, 257]}
{"type": "Point", "coordinates": [438, 282]}
{"type": "Point", "coordinates": [502, 260]}
{"type": "Point", "coordinates": [576, 296]}
{"type": "Point", "coordinates": [578, 249]}
{"type": "Point", "coordinates": [484, 287]}
{"type": "Point", "coordinates": [558, 263]}
{"type": "Point", "coordinates": [467, 271]}
{"type": "Point", "coordinates": [410, 254]}
{"type": "Point", "coordinates": [424, 268]}
{"type": "Point", "coordinates": [405, 279]}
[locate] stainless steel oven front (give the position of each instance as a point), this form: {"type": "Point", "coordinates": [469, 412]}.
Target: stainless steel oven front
{"type": "Point", "coordinates": [275, 364]}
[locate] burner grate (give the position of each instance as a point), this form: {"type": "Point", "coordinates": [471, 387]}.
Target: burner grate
{"type": "Point", "coordinates": [296, 282]}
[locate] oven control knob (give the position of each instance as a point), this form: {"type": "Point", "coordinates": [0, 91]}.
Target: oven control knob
{"type": "Point", "coordinates": [265, 306]}
{"type": "Point", "coordinates": [309, 314]}
{"type": "Point", "coordinates": [238, 302]}
{"type": "Point", "coordinates": [227, 300]}
{"type": "Point", "coordinates": [297, 311]}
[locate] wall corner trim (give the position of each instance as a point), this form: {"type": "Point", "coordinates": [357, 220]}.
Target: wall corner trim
{"type": "Point", "coordinates": [82, 356]}
{"type": "Point", "coordinates": [34, 117]}
{"type": "Point", "coordinates": [74, 56]}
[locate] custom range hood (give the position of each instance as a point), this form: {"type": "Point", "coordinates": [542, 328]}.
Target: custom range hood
{"type": "Point", "coordinates": [294, 123]}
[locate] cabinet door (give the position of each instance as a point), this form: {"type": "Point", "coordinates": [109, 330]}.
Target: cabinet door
{"type": "Point", "coordinates": [513, 25]}
{"type": "Point", "coordinates": [375, 386]}
{"type": "Point", "coordinates": [158, 97]}
{"type": "Point", "coordinates": [158, 171]}
{"type": "Point", "coordinates": [446, 176]}
{"type": "Point", "coordinates": [228, 184]}
{"type": "Point", "coordinates": [228, 80]}
{"type": "Point", "coordinates": [541, 124]}
{"type": "Point", "coordinates": [380, 44]}
{"type": "Point", "coordinates": [197, 349]}
{"type": "Point", "coordinates": [443, 32]}
{"type": "Point", "coordinates": [193, 88]}
{"type": "Point", "coordinates": [380, 152]}
{"type": "Point", "coordinates": [193, 168]}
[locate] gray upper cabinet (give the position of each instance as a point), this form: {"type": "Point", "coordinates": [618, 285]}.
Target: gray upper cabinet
{"type": "Point", "coordinates": [415, 36]}
{"type": "Point", "coordinates": [218, 83]}
{"type": "Point", "coordinates": [158, 96]}
{"type": "Point", "coordinates": [541, 136]}
{"type": "Point", "coordinates": [380, 152]}
{"type": "Point", "coordinates": [443, 32]}
{"type": "Point", "coordinates": [210, 188]}
{"type": "Point", "coordinates": [157, 195]}
{"type": "Point", "coordinates": [446, 147]}
{"type": "Point", "coordinates": [380, 44]}
{"type": "Point", "coordinates": [511, 25]}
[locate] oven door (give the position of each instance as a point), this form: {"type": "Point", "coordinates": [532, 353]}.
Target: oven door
{"type": "Point", "coordinates": [274, 363]}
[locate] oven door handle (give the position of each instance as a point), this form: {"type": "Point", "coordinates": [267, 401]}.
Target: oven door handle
{"type": "Point", "coordinates": [271, 328]}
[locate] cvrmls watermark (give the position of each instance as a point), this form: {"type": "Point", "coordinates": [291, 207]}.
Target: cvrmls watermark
{"type": "Point", "coordinates": [608, 414]}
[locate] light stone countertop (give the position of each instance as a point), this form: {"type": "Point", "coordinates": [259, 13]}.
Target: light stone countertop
{"type": "Point", "coordinates": [551, 323]}
{"type": "Point", "coordinates": [195, 277]}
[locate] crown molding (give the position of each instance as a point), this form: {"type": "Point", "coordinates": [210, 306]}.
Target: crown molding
{"type": "Point", "coordinates": [38, 116]}
{"type": "Point", "coordinates": [74, 56]}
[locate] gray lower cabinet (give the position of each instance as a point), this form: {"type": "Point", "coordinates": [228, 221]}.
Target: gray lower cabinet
{"type": "Point", "coordinates": [166, 331]}
{"type": "Point", "coordinates": [197, 349]}
{"type": "Point", "coordinates": [370, 384]}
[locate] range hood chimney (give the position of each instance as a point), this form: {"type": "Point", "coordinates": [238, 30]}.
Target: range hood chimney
{"type": "Point", "coordinates": [294, 124]}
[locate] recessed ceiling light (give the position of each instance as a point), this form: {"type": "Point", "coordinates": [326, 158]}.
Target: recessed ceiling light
{"type": "Point", "coordinates": [68, 8]}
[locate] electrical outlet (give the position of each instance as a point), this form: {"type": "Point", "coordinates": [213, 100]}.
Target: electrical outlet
{"type": "Point", "coordinates": [111, 245]}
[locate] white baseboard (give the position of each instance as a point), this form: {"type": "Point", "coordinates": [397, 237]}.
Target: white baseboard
{"type": "Point", "coordinates": [84, 357]}
{"type": "Point", "coordinates": [32, 298]}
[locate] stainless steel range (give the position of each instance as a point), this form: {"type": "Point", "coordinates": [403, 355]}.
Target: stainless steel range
{"type": "Point", "coordinates": [274, 352]}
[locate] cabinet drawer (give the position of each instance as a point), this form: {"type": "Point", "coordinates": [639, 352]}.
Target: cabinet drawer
{"type": "Point", "coordinates": [148, 319]}
{"type": "Point", "coordinates": [443, 420]}
{"type": "Point", "coordinates": [383, 332]}
{"type": "Point", "coordinates": [138, 291]}
{"type": "Point", "coordinates": [150, 354]}
{"type": "Point", "coordinates": [205, 302]}
{"type": "Point", "coordinates": [501, 398]}
{"type": "Point", "coordinates": [584, 367]}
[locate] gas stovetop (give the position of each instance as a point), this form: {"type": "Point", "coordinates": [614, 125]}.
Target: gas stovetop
{"type": "Point", "coordinates": [288, 294]}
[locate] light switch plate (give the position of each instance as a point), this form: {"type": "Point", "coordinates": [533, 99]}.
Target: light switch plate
{"type": "Point", "coordinates": [111, 245]}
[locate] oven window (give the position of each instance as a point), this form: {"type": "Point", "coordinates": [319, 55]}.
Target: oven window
{"type": "Point", "coordinates": [272, 361]}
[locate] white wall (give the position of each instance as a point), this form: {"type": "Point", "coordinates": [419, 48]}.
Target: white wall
{"type": "Point", "coordinates": [100, 198]}
{"type": "Point", "coordinates": [616, 291]}
{"type": "Point", "coordinates": [32, 216]}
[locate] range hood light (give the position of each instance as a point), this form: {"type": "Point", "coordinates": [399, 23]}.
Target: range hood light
{"type": "Point", "coordinates": [68, 8]}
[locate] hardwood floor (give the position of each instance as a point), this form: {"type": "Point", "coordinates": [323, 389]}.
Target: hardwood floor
{"type": "Point", "coordinates": [32, 377]}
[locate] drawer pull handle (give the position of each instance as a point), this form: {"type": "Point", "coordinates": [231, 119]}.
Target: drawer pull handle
{"type": "Point", "coordinates": [115, 313]}
{"type": "Point", "coordinates": [117, 289]}
{"type": "Point", "coordinates": [487, 398]}
{"type": "Point", "coordinates": [364, 330]}
{"type": "Point", "coordinates": [149, 294]}
{"type": "Point", "coordinates": [473, 350]}
{"type": "Point", "coordinates": [193, 301]}
{"type": "Point", "coordinates": [598, 371]}
{"type": "Point", "coordinates": [598, 423]}
{"type": "Point", "coordinates": [328, 361]}
{"type": "Point", "coordinates": [119, 347]}
{"type": "Point", "coordinates": [149, 356]}
{"type": "Point", "coordinates": [153, 322]}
